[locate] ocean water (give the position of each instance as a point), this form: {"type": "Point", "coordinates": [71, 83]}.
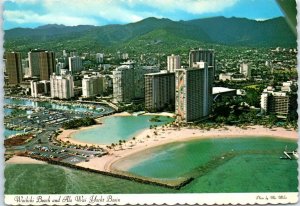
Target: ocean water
{"type": "Point", "coordinates": [52, 179]}
{"type": "Point", "coordinates": [256, 168]}
{"type": "Point", "coordinates": [115, 128]}
{"type": "Point", "coordinates": [8, 132]}
{"type": "Point", "coordinates": [220, 165]}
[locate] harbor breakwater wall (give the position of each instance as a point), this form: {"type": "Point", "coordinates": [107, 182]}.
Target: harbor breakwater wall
{"type": "Point", "coordinates": [175, 186]}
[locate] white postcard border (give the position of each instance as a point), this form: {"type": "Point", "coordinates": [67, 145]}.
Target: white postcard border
{"type": "Point", "coordinates": [134, 199]}
{"type": "Point", "coordinates": [149, 199]}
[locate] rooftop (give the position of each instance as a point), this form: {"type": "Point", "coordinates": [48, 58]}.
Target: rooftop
{"type": "Point", "coordinates": [218, 90]}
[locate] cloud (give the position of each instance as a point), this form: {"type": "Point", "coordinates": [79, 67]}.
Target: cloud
{"type": "Point", "coordinates": [135, 10]}
{"type": "Point", "coordinates": [110, 10]}
{"type": "Point", "coordinates": [23, 17]}
{"type": "Point", "coordinates": [97, 12]}
{"type": "Point", "coordinates": [190, 6]}
{"type": "Point", "coordinates": [22, 1]}
{"type": "Point", "coordinates": [130, 9]}
{"type": "Point", "coordinates": [261, 19]}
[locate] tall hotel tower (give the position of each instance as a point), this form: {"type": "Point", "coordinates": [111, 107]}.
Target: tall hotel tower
{"type": "Point", "coordinates": [204, 55]}
{"type": "Point", "coordinates": [47, 64]}
{"type": "Point", "coordinates": [193, 92]}
{"type": "Point", "coordinates": [173, 63]}
{"type": "Point", "coordinates": [159, 90]}
{"type": "Point", "coordinates": [123, 83]}
{"type": "Point", "coordinates": [14, 67]}
{"type": "Point", "coordinates": [41, 64]}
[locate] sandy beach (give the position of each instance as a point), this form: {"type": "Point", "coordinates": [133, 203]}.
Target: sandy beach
{"type": "Point", "coordinates": [23, 160]}
{"type": "Point", "coordinates": [121, 114]}
{"type": "Point", "coordinates": [66, 134]}
{"type": "Point", "coordinates": [147, 139]}
{"type": "Point", "coordinates": [167, 114]}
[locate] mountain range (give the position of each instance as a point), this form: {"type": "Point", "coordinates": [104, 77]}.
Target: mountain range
{"type": "Point", "coordinates": [153, 31]}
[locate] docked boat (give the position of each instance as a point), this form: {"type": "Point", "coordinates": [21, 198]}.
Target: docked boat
{"type": "Point", "coordinates": [291, 155]}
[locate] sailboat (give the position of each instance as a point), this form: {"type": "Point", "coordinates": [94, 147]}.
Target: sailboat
{"type": "Point", "coordinates": [290, 154]}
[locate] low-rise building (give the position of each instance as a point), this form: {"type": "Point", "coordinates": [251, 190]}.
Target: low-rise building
{"type": "Point", "coordinates": [40, 88]}
{"type": "Point", "coordinates": [221, 92]}
{"type": "Point", "coordinates": [278, 102]}
{"type": "Point", "coordinates": [225, 76]}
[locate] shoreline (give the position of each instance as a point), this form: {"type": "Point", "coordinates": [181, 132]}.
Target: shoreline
{"type": "Point", "coordinates": [23, 160]}
{"type": "Point", "coordinates": [171, 135]}
{"type": "Point", "coordinates": [66, 135]}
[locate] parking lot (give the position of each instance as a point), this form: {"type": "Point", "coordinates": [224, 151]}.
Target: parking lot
{"type": "Point", "coordinates": [45, 123]}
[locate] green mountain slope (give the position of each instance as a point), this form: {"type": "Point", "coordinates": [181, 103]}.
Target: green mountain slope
{"type": "Point", "coordinates": [165, 32]}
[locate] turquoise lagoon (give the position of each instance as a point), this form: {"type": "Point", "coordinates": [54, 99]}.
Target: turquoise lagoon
{"type": "Point", "coordinates": [219, 165]}
{"type": "Point", "coordinates": [115, 128]}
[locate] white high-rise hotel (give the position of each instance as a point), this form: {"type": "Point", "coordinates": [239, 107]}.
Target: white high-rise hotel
{"type": "Point", "coordinates": [75, 64]}
{"type": "Point", "coordinates": [193, 99]}
{"type": "Point", "coordinates": [92, 86]}
{"type": "Point", "coordinates": [62, 87]}
{"type": "Point", "coordinates": [129, 81]}
{"type": "Point", "coordinates": [123, 83]}
{"type": "Point", "coordinates": [245, 70]}
{"type": "Point", "coordinates": [173, 63]}
{"type": "Point", "coordinates": [99, 57]}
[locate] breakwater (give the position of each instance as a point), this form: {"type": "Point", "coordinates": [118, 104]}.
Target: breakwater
{"type": "Point", "coordinates": [129, 177]}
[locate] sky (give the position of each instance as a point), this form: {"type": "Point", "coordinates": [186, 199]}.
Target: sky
{"type": "Point", "coordinates": [34, 13]}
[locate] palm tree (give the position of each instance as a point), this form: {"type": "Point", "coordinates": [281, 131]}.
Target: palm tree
{"type": "Point", "coordinates": [113, 145]}
{"type": "Point", "coordinates": [133, 140]}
